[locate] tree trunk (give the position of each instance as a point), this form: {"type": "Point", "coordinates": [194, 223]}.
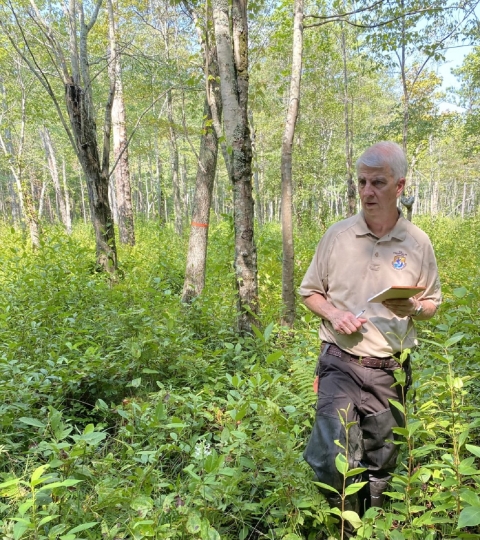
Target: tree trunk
{"type": "Point", "coordinates": [207, 165]}
{"type": "Point", "coordinates": [256, 183]}
{"type": "Point", "coordinates": [53, 169]}
{"type": "Point", "coordinates": [158, 177]}
{"type": "Point", "coordinates": [464, 197]}
{"type": "Point", "coordinates": [15, 160]}
{"type": "Point", "coordinates": [81, 113]}
{"type": "Point", "coordinates": [233, 66]}
{"type": "Point", "coordinates": [177, 196]}
{"type": "Point", "coordinates": [41, 201]}
{"type": "Point", "coordinates": [288, 289]}
{"type": "Point", "coordinates": [123, 190]}
{"type": "Point", "coordinates": [351, 189]}
{"type": "Point", "coordinates": [82, 191]}
{"type": "Point", "coordinates": [84, 131]}
{"type": "Point", "coordinates": [79, 103]}
{"type": "Point", "coordinates": [68, 214]}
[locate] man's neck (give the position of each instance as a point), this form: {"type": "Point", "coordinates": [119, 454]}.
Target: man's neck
{"type": "Point", "coordinates": [381, 227]}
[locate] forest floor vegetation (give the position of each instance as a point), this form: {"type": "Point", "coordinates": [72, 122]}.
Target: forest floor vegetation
{"type": "Point", "coordinates": [125, 414]}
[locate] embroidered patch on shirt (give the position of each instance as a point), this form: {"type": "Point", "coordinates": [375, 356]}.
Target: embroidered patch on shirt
{"type": "Point", "coordinates": [399, 260]}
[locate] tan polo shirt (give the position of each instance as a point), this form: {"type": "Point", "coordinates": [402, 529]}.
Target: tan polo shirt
{"type": "Point", "coordinates": [351, 265]}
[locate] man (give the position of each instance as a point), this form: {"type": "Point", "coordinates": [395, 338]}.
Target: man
{"type": "Point", "coordinates": [361, 341]}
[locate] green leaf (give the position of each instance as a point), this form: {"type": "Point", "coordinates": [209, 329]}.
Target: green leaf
{"type": "Point", "coordinates": [65, 483]}
{"type": "Point", "coordinates": [92, 438]}
{"type": "Point", "coordinates": [32, 422]}
{"type": "Point", "coordinates": [25, 507]}
{"type": "Point", "coordinates": [141, 502]}
{"type": "Point", "coordinates": [354, 472]}
{"type": "Point", "coordinates": [470, 497]}
{"type": "Point", "coordinates": [194, 523]}
{"type": "Point", "coordinates": [352, 517]}
{"type": "Point", "coordinates": [326, 486]}
{"type": "Point", "coordinates": [136, 383]}
{"type": "Point", "coordinates": [460, 292]}
{"type": "Point", "coordinates": [354, 488]}
{"type": "Point", "coordinates": [19, 528]}
{"type": "Point", "coordinates": [395, 495]}
{"type": "Point", "coordinates": [46, 519]}
{"type": "Point", "coordinates": [475, 450]}
{"type": "Point", "coordinates": [463, 437]}
{"type": "Point", "coordinates": [341, 464]}
{"type": "Point", "coordinates": [257, 332]}
{"type": "Point", "coordinates": [83, 527]}
{"type": "Point", "coordinates": [274, 356]}
{"type": "Point", "coordinates": [212, 534]}
{"type": "Point", "coordinates": [454, 339]}
{"type": "Point", "coordinates": [397, 405]}
{"type": "Point", "coordinates": [469, 517]}
{"type": "Point", "coordinates": [37, 473]}
{"type": "Point", "coordinates": [268, 332]}
{"type": "Point", "coordinates": [9, 483]}
{"type": "Point", "coordinates": [413, 426]}
{"type": "Point", "coordinates": [424, 519]}
{"type": "Point", "coordinates": [466, 466]}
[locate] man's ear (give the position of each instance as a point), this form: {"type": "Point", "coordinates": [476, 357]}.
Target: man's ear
{"type": "Point", "coordinates": [400, 186]}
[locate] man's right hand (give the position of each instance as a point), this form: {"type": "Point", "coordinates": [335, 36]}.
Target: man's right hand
{"type": "Point", "coordinates": [344, 322]}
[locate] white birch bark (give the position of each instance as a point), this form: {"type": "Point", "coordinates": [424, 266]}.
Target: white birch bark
{"type": "Point", "coordinates": [123, 190]}
{"type": "Point", "coordinates": [232, 51]}
{"type": "Point", "coordinates": [288, 289]}
{"type": "Point", "coordinates": [206, 169]}
{"type": "Point", "coordinates": [14, 158]}
{"type": "Point", "coordinates": [81, 112]}
{"type": "Point", "coordinates": [53, 169]}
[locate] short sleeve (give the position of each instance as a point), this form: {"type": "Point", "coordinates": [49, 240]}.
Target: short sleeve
{"type": "Point", "coordinates": [316, 277]}
{"type": "Point", "coordinates": [430, 278]}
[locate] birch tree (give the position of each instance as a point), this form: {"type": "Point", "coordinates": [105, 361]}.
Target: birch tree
{"type": "Point", "coordinates": [232, 51]}
{"type": "Point", "coordinates": [53, 169]}
{"type": "Point", "coordinates": [288, 290]}
{"type": "Point", "coordinates": [123, 190]}
{"type": "Point", "coordinates": [206, 167]}
{"type": "Point", "coordinates": [72, 65]}
{"type": "Point", "coordinates": [14, 153]}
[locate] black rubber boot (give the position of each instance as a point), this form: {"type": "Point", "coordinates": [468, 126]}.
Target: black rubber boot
{"type": "Point", "coordinates": [377, 489]}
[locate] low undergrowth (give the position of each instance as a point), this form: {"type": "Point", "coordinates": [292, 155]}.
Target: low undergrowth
{"type": "Point", "coordinates": [125, 414]}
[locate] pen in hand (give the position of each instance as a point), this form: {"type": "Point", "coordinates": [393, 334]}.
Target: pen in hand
{"type": "Point", "coordinates": [360, 314]}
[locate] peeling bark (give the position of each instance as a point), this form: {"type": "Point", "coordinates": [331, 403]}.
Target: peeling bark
{"type": "Point", "coordinates": [232, 54]}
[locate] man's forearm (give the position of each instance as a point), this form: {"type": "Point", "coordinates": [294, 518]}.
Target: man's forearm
{"type": "Point", "coordinates": [343, 322]}
{"type": "Point", "coordinates": [428, 310]}
{"type": "Point", "coordinates": [319, 305]}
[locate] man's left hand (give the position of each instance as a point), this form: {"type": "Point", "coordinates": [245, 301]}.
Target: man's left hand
{"type": "Point", "coordinates": [402, 307]}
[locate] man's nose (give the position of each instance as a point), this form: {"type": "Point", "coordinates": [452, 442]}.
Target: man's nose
{"type": "Point", "coordinates": [367, 190]}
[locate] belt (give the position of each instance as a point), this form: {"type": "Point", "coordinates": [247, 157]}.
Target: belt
{"type": "Point", "coordinates": [365, 361]}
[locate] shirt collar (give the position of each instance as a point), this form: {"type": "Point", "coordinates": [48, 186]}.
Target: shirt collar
{"type": "Point", "coordinates": [399, 231]}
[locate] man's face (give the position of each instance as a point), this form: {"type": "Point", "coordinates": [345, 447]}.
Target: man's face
{"type": "Point", "coordinates": [378, 191]}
